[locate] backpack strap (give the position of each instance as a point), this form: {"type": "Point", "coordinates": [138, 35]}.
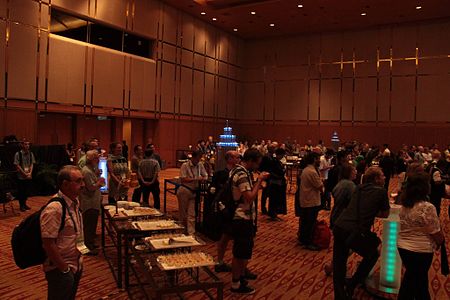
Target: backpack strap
{"type": "Point", "coordinates": [64, 209]}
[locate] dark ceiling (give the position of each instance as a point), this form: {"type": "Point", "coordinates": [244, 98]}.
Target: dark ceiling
{"type": "Point", "coordinates": [314, 16]}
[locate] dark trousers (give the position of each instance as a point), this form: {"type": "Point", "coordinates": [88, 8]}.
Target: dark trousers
{"type": "Point", "coordinates": [340, 256]}
{"type": "Point", "coordinates": [264, 196]}
{"type": "Point", "coordinates": [90, 220]}
{"type": "Point", "coordinates": [23, 191]}
{"type": "Point", "coordinates": [277, 200]}
{"type": "Point", "coordinates": [415, 279]}
{"type": "Point", "coordinates": [308, 218]}
{"type": "Point", "coordinates": [154, 189]}
{"type": "Point", "coordinates": [62, 286]}
{"type": "Point", "coordinates": [137, 193]}
{"type": "Point", "coordinates": [386, 181]}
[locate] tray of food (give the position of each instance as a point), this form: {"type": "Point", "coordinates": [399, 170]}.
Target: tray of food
{"type": "Point", "coordinates": [156, 225]}
{"type": "Point", "coordinates": [112, 209]}
{"type": "Point", "coordinates": [177, 261]}
{"type": "Point", "coordinates": [163, 235]}
{"type": "Point", "coordinates": [143, 212]}
{"type": "Point", "coordinates": [174, 242]}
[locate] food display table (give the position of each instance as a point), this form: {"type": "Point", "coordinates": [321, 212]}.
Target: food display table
{"type": "Point", "coordinates": [118, 225]}
{"type": "Point", "coordinates": [162, 268]}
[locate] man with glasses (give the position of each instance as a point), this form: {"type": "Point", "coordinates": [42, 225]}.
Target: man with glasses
{"type": "Point", "coordinates": [63, 265]}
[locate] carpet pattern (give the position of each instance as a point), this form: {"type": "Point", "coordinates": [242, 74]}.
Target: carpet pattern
{"type": "Point", "coordinates": [285, 270]}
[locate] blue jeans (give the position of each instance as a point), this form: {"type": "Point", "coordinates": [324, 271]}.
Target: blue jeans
{"type": "Point", "coordinates": [62, 286]}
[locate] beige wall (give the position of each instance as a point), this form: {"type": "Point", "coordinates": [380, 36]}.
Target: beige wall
{"type": "Point", "coordinates": [194, 75]}
{"type": "Point", "coordinates": [389, 77]}
{"type": "Point", "coordinates": [307, 86]}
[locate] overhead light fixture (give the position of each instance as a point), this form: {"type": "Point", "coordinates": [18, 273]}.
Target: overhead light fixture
{"type": "Point", "coordinates": [300, 6]}
{"type": "Point", "coordinates": [418, 7]}
{"type": "Point", "coordinates": [235, 29]}
{"type": "Point", "coordinates": [272, 25]}
{"type": "Point", "coordinates": [214, 19]}
{"type": "Point", "coordinates": [253, 12]}
{"type": "Point", "coordinates": [203, 13]}
{"type": "Point", "coordinates": [363, 14]}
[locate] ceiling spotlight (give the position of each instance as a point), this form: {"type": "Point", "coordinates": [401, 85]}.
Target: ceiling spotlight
{"type": "Point", "coordinates": [214, 19]}
{"type": "Point", "coordinates": [272, 25]}
{"type": "Point", "coordinates": [418, 7]}
{"type": "Point", "coordinates": [300, 5]}
{"type": "Point", "coordinates": [253, 12]}
{"type": "Point", "coordinates": [203, 13]}
{"type": "Point", "coordinates": [235, 29]}
{"type": "Point", "coordinates": [363, 14]}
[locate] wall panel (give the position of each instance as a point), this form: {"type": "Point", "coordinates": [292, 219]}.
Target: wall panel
{"type": "Point", "coordinates": [111, 11]}
{"type": "Point", "coordinates": [365, 99]}
{"type": "Point", "coordinates": [167, 87]}
{"type": "Point", "coordinates": [330, 99]}
{"type": "Point", "coordinates": [433, 95]}
{"type": "Point", "coordinates": [403, 93]}
{"type": "Point", "coordinates": [209, 95]}
{"type": "Point", "coordinates": [66, 87]}
{"type": "Point", "coordinates": [198, 93]}
{"type": "Point", "coordinates": [79, 6]}
{"type": "Point", "coordinates": [25, 12]}
{"type": "Point", "coordinates": [186, 91]}
{"type": "Point", "coordinates": [146, 17]}
{"type": "Point", "coordinates": [22, 62]}
{"type": "Point", "coordinates": [108, 79]}
{"type": "Point", "coordinates": [222, 97]}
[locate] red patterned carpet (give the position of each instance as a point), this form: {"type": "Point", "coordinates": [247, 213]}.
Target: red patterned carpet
{"type": "Point", "coordinates": [285, 270]}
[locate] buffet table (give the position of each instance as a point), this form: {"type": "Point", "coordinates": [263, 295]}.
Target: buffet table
{"type": "Point", "coordinates": [188, 271]}
{"type": "Point", "coordinates": [154, 248]}
{"type": "Point", "coordinates": [118, 225]}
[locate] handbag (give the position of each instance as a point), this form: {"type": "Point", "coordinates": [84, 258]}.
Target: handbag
{"type": "Point", "coordinates": [362, 241]}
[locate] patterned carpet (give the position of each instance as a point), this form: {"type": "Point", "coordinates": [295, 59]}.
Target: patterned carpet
{"type": "Point", "coordinates": [285, 270]}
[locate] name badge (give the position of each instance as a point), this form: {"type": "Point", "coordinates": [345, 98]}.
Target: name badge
{"type": "Point", "coordinates": [81, 246]}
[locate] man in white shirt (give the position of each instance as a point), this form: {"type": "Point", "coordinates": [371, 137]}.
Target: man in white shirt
{"type": "Point", "coordinates": [63, 265]}
{"type": "Point", "coordinates": [192, 173]}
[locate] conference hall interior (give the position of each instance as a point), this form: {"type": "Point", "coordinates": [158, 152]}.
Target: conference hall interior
{"type": "Point", "coordinates": [224, 149]}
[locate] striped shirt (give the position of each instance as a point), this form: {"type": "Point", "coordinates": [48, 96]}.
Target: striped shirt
{"type": "Point", "coordinates": [242, 182]}
{"type": "Point", "coordinates": [148, 168]}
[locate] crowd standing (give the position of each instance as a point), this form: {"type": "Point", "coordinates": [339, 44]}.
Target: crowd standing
{"type": "Point", "coordinates": [355, 175]}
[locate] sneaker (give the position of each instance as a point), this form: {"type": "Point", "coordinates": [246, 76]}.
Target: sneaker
{"type": "Point", "coordinates": [22, 208]}
{"type": "Point", "coordinates": [27, 207]}
{"type": "Point", "coordinates": [222, 268]}
{"type": "Point", "coordinates": [244, 290]}
{"type": "Point", "coordinates": [250, 275]}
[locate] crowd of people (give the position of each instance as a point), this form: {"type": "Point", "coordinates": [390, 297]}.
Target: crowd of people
{"type": "Point", "coordinates": [355, 176]}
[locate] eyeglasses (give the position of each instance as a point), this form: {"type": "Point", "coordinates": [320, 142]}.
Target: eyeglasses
{"type": "Point", "coordinates": [77, 181]}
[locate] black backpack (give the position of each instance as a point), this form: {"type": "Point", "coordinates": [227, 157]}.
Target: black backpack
{"type": "Point", "coordinates": [26, 240]}
{"type": "Point", "coordinates": [223, 203]}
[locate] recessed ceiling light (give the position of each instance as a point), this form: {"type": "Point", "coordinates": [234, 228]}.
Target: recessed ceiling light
{"type": "Point", "coordinates": [418, 7]}
{"type": "Point", "coordinates": [300, 5]}
{"type": "Point", "coordinates": [363, 14]}
{"type": "Point", "coordinates": [214, 19]}
{"type": "Point", "coordinates": [203, 13]}
{"type": "Point", "coordinates": [253, 12]}
{"type": "Point", "coordinates": [235, 29]}
{"type": "Point", "coordinates": [272, 25]}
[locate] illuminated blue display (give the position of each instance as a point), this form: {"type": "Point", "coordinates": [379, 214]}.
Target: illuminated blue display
{"type": "Point", "coordinates": [102, 165]}
{"type": "Point", "coordinates": [227, 139]}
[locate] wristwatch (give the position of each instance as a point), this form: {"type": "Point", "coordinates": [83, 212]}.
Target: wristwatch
{"type": "Point", "coordinates": [66, 271]}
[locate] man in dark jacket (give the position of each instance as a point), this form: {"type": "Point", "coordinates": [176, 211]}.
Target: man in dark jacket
{"type": "Point", "coordinates": [369, 200]}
